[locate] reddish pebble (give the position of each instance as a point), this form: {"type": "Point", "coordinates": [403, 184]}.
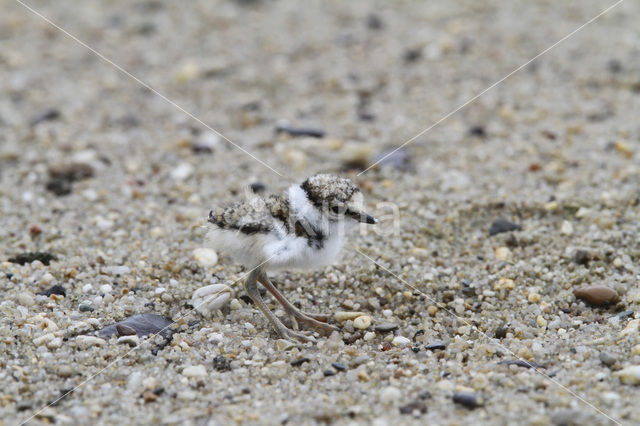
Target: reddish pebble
{"type": "Point", "coordinates": [597, 295]}
{"type": "Point", "coordinates": [385, 346]}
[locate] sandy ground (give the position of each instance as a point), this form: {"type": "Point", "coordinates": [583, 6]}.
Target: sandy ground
{"type": "Point", "coordinates": [116, 183]}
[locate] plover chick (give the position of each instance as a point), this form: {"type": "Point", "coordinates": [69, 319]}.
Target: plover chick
{"type": "Point", "coordinates": [302, 228]}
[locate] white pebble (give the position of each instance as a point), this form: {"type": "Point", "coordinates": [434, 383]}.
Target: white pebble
{"type": "Point", "coordinates": [205, 257]}
{"type": "Point", "coordinates": [630, 375]}
{"type": "Point", "coordinates": [194, 371]}
{"type": "Point", "coordinates": [566, 228]}
{"type": "Point", "coordinates": [211, 298]}
{"type": "Point", "coordinates": [369, 336]}
{"type": "Point", "coordinates": [25, 299]}
{"type": "Point", "coordinates": [105, 288]}
{"type": "Point", "coordinates": [387, 313]}
{"type": "Point", "coordinates": [362, 322]}
{"type": "Point", "coordinates": [182, 171]}
{"type": "Point", "coordinates": [129, 340]}
{"type": "Point", "coordinates": [342, 316]}
{"type": "Point", "coordinates": [85, 342]}
{"type": "Point", "coordinates": [119, 270]}
{"type": "Point", "coordinates": [44, 339]}
{"type": "Point", "coordinates": [400, 341]}
{"type": "Point", "coordinates": [390, 394]}
{"type": "Point", "coordinates": [284, 345]}
{"type": "Point", "coordinates": [87, 288]}
{"type": "Point", "coordinates": [55, 343]}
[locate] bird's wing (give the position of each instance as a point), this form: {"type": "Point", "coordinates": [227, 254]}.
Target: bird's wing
{"type": "Point", "coordinates": [249, 217]}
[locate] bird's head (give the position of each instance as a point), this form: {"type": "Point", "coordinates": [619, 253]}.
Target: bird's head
{"type": "Point", "coordinates": [337, 198]}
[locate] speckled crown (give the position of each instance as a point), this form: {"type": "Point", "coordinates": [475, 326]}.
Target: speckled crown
{"type": "Point", "coordinates": [327, 188]}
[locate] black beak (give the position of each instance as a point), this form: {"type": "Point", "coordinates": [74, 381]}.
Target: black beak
{"type": "Point", "coordinates": [365, 218]}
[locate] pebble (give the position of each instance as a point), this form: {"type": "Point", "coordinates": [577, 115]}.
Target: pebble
{"type": "Point", "coordinates": [582, 257]}
{"type": "Point", "coordinates": [339, 366]}
{"type": "Point", "coordinates": [182, 172]}
{"type": "Point", "coordinates": [125, 330]}
{"type": "Point", "coordinates": [85, 342]}
{"type": "Point", "coordinates": [390, 394]}
{"type": "Point", "coordinates": [502, 253]}
{"type": "Point", "coordinates": [129, 340]}
{"type": "Point", "coordinates": [44, 339]}
{"type": "Point", "coordinates": [415, 408]}
{"type": "Point", "coordinates": [65, 370]}
{"type": "Point", "coordinates": [56, 289]}
{"type": "Point", "coordinates": [284, 127]}
{"type": "Point", "coordinates": [284, 345]}
{"type": "Point", "coordinates": [362, 322]}
{"type": "Point", "coordinates": [607, 359]}
{"type": "Point", "coordinates": [205, 257]}
{"type": "Point", "coordinates": [194, 371]}
{"type": "Point", "coordinates": [206, 300]}
{"type": "Point", "coordinates": [466, 399]}
{"type": "Point", "coordinates": [29, 257]}
{"type": "Point", "coordinates": [342, 316]}
{"type": "Point", "coordinates": [401, 341]}
{"type": "Point", "coordinates": [119, 270]}
{"type": "Point", "coordinates": [597, 295]}
{"type": "Point", "coordinates": [437, 345]}
{"type": "Point", "coordinates": [369, 336]}
{"type": "Point", "coordinates": [25, 299]}
{"type": "Point", "coordinates": [385, 327]}
{"type": "Point", "coordinates": [629, 375]}
{"type": "Point", "coordinates": [502, 225]}
{"type": "Point", "coordinates": [398, 159]}
{"type": "Point", "coordinates": [566, 228]}
{"type": "Point", "coordinates": [143, 324]}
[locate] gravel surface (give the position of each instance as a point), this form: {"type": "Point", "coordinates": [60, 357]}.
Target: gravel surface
{"type": "Point", "coordinates": [506, 292]}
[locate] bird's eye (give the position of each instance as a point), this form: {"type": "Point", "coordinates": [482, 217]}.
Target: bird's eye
{"type": "Point", "coordinates": [335, 209]}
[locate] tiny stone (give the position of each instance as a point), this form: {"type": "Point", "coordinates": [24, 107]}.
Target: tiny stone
{"type": "Point", "coordinates": [328, 373]}
{"type": "Point", "coordinates": [284, 345]}
{"type": "Point", "coordinates": [466, 399]}
{"type": "Point", "coordinates": [362, 322]}
{"type": "Point", "coordinates": [299, 361]}
{"type": "Point", "coordinates": [130, 340]}
{"type": "Point", "coordinates": [414, 407]}
{"type": "Point", "coordinates": [400, 341]}
{"type": "Point", "coordinates": [607, 359]}
{"type": "Point", "coordinates": [502, 253]}
{"type": "Point", "coordinates": [257, 187]}
{"type": "Point", "coordinates": [597, 295]}
{"type": "Point", "coordinates": [85, 308]}
{"type": "Point", "coordinates": [182, 172]}
{"type": "Point", "coordinates": [629, 375]}
{"type": "Point", "coordinates": [390, 395]}
{"type": "Point", "coordinates": [56, 289]}
{"type": "Point", "coordinates": [194, 371]}
{"type": "Point", "coordinates": [221, 363]}
{"type": "Point", "coordinates": [369, 336]}
{"type": "Point", "coordinates": [205, 257]}
{"type": "Point", "coordinates": [502, 225]}
{"type": "Point", "coordinates": [386, 327]}
{"type": "Point", "coordinates": [566, 228]}
{"type": "Point", "coordinates": [437, 345]}
{"type": "Point", "coordinates": [342, 316]}
{"type": "Point", "coordinates": [211, 298]}
{"type": "Point", "coordinates": [85, 342]}
{"type": "Point", "coordinates": [149, 396]}
{"type": "Point", "coordinates": [338, 366]}
{"type": "Point", "coordinates": [125, 330]}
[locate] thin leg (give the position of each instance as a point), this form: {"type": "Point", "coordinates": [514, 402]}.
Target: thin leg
{"type": "Point", "coordinates": [250, 286]}
{"type": "Point", "coordinates": [293, 312]}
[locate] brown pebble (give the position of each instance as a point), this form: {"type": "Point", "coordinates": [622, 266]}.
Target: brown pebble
{"type": "Point", "coordinates": [125, 330]}
{"type": "Point", "coordinates": [597, 295]}
{"type": "Point", "coordinates": [385, 346]}
{"type": "Point", "coordinates": [149, 396]}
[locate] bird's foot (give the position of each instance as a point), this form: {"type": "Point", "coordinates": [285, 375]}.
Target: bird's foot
{"type": "Point", "coordinates": [317, 320]}
{"type": "Point", "coordinates": [287, 333]}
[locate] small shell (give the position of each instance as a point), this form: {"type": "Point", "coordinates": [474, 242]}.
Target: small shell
{"type": "Point", "coordinates": [597, 295]}
{"type": "Point", "coordinates": [211, 298]}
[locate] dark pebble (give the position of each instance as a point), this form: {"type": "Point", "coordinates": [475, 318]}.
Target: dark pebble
{"type": "Point", "coordinates": [257, 187]}
{"type": "Point", "coordinates": [608, 359]}
{"type": "Point", "coordinates": [521, 363]}
{"type": "Point", "coordinates": [86, 308]}
{"type": "Point", "coordinates": [582, 257]}
{"type": "Point", "coordinates": [29, 257]}
{"type": "Point", "coordinates": [614, 66]}
{"type": "Point", "coordinates": [221, 363]}
{"type": "Point", "coordinates": [437, 345]}
{"type": "Point", "coordinates": [374, 22]}
{"type": "Point", "coordinates": [298, 362]}
{"type": "Point", "coordinates": [143, 324]}
{"type": "Point", "coordinates": [71, 172]}
{"type": "Point", "coordinates": [56, 289]}
{"type": "Point", "coordinates": [415, 406]}
{"type": "Point", "coordinates": [466, 399]}
{"type": "Point", "coordinates": [338, 366]}
{"type": "Point", "coordinates": [125, 330]}
{"type": "Point", "coordinates": [385, 327]}
{"type": "Point", "coordinates": [328, 373]}
{"type": "Point", "coordinates": [477, 131]}
{"type": "Point", "coordinates": [501, 332]}
{"type": "Point", "coordinates": [8, 275]}
{"type": "Point", "coordinates": [300, 131]}
{"type": "Point", "coordinates": [412, 55]}
{"type": "Point", "coordinates": [59, 187]}
{"type": "Point", "coordinates": [48, 115]}
{"type": "Point", "coordinates": [502, 225]}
